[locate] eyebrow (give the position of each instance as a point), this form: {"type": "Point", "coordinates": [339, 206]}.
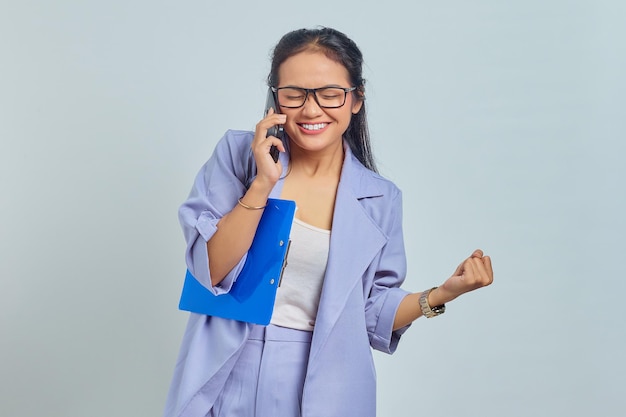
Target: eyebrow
{"type": "Point", "coordinates": [303, 88]}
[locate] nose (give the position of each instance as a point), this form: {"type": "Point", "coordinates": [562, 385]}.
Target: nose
{"type": "Point", "coordinates": [310, 107]}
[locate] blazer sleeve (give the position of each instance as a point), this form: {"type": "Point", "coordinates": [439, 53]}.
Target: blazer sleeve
{"type": "Point", "coordinates": [221, 181]}
{"type": "Point", "coordinates": [385, 294]}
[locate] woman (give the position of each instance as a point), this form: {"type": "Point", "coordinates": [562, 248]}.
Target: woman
{"type": "Point", "coordinates": [340, 294]}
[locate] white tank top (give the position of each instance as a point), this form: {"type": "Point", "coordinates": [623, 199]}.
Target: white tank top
{"type": "Point", "coordinates": [298, 296]}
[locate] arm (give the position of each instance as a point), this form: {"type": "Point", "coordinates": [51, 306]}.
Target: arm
{"type": "Point", "coordinates": [389, 309]}
{"type": "Point", "coordinates": [473, 273]}
{"type": "Point", "coordinates": [235, 231]}
{"type": "Point", "coordinates": [211, 217]}
{"type": "Point", "coordinates": [234, 234]}
{"type": "Point", "coordinates": [389, 271]}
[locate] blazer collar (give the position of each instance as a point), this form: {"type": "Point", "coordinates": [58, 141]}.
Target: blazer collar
{"type": "Point", "coordinates": [358, 178]}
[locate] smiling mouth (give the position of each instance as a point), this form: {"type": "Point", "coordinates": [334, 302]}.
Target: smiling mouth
{"type": "Point", "coordinates": [315, 126]}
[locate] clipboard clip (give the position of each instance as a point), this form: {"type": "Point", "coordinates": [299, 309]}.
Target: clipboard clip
{"type": "Point", "coordinates": [282, 269]}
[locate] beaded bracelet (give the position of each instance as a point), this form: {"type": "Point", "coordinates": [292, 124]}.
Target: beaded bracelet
{"type": "Point", "coordinates": [244, 205]}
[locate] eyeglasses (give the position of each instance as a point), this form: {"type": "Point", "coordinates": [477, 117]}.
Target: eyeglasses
{"type": "Point", "coordinates": [325, 97]}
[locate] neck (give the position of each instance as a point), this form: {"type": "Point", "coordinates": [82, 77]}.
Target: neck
{"type": "Point", "coordinates": [316, 164]}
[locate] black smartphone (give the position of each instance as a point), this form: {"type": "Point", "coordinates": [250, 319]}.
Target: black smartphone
{"type": "Point", "coordinates": [277, 130]}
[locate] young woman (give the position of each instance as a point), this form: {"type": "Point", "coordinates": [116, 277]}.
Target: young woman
{"type": "Point", "coordinates": [340, 293]}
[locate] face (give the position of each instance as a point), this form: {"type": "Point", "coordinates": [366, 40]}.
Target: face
{"type": "Point", "coordinates": [310, 127]}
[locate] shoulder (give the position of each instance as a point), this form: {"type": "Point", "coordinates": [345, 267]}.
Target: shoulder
{"type": "Point", "coordinates": [232, 159]}
{"type": "Point", "coordinates": [234, 141]}
{"type": "Point", "coordinates": [379, 197]}
{"type": "Point", "coordinates": [234, 146]}
{"type": "Point", "coordinates": [388, 186]}
{"type": "Point", "coordinates": [368, 183]}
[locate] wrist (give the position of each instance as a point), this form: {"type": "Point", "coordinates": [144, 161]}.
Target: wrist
{"type": "Point", "coordinates": [263, 184]}
{"type": "Point", "coordinates": [257, 194]}
{"type": "Point", "coordinates": [440, 295]}
{"type": "Point", "coordinates": [429, 310]}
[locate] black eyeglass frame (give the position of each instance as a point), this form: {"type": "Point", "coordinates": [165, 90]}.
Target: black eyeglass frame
{"type": "Point", "coordinates": [313, 91]}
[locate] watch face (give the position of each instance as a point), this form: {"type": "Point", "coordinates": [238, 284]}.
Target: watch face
{"type": "Point", "coordinates": [439, 309]}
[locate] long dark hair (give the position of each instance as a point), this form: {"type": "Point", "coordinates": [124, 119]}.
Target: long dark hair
{"type": "Point", "coordinates": [338, 47]}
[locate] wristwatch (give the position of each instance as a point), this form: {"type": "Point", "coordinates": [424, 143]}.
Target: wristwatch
{"type": "Point", "coordinates": [427, 310]}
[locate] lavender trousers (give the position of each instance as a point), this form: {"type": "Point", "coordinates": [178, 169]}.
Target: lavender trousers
{"type": "Point", "coordinates": [268, 377]}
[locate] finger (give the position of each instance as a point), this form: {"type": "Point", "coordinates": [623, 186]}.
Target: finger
{"type": "Point", "coordinates": [459, 269]}
{"type": "Point", "coordinates": [482, 276]}
{"type": "Point", "coordinates": [477, 253]}
{"type": "Point", "coordinates": [273, 141]}
{"type": "Point", "coordinates": [488, 267]}
{"type": "Point", "coordinates": [468, 270]}
{"type": "Point", "coordinates": [275, 119]}
{"type": "Point", "coordinates": [263, 147]}
{"type": "Point", "coordinates": [262, 128]}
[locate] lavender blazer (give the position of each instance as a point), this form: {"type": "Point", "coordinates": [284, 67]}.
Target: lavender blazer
{"type": "Point", "coordinates": [360, 296]}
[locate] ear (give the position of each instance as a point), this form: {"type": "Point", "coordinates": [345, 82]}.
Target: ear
{"type": "Point", "coordinates": [358, 102]}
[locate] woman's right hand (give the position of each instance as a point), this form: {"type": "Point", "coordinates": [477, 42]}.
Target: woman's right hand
{"type": "Point", "coordinates": [268, 171]}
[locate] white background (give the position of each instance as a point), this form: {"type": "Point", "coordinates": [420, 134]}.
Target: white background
{"type": "Point", "coordinates": [503, 123]}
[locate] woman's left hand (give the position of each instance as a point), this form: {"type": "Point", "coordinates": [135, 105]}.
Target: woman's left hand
{"type": "Point", "coordinates": [473, 273]}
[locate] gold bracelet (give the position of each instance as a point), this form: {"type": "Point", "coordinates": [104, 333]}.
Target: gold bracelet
{"type": "Point", "coordinates": [244, 205]}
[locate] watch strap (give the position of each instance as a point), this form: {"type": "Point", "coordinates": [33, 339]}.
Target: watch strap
{"type": "Point", "coordinates": [427, 310]}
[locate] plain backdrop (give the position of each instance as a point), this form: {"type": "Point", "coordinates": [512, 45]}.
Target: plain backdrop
{"type": "Point", "coordinates": [502, 122]}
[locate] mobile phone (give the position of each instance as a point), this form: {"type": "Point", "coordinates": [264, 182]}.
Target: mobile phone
{"type": "Point", "coordinates": [277, 130]}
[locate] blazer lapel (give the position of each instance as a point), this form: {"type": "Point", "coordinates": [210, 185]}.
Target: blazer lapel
{"type": "Point", "coordinates": [355, 240]}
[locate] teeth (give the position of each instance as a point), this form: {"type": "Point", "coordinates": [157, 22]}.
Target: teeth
{"type": "Point", "coordinates": [316, 126]}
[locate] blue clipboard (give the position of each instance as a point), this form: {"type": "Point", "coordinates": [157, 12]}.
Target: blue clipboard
{"type": "Point", "coordinates": [251, 298]}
